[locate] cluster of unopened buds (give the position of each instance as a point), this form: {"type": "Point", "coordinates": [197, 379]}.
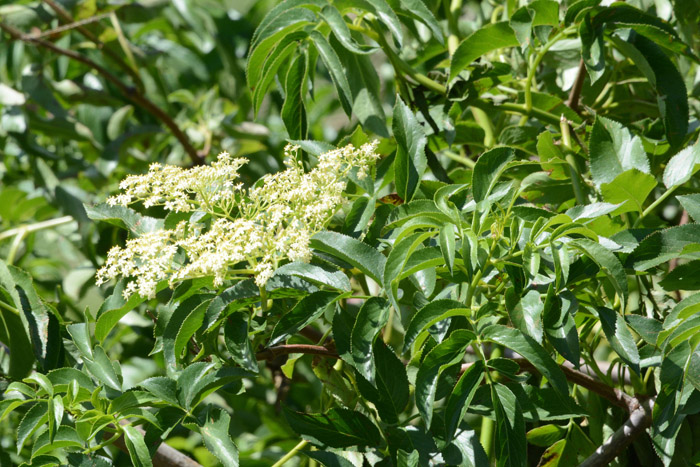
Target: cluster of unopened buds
{"type": "Point", "coordinates": [233, 231]}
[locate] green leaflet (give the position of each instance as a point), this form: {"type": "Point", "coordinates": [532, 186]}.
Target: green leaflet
{"type": "Point", "coordinates": [369, 321]}
{"type": "Point", "coordinates": [358, 254]}
{"type": "Point", "coordinates": [430, 314]}
{"type": "Point", "coordinates": [613, 150]}
{"type": "Point", "coordinates": [410, 162]}
{"type": "Point", "coordinates": [337, 428]}
{"type": "Point", "coordinates": [463, 392]}
{"type": "Point", "coordinates": [532, 351]}
{"type": "Point", "coordinates": [293, 110]}
{"type": "Point", "coordinates": [511, 445]}
{"type": "Point", "coordinates": [447, 353]}
{"type": "Point", "coordinates": [335, 68]}
{"type": "Point", "coordinates": [138, 451]}
{"type": "Point", "coordinates": [215, 433]}
{"type": "Point", "coordinates": [490, 37]}
{"type": "Point", "coordinates": [619, 337]}
{"type": "Point", "coordinates": [664, 245]}
{"type": "Point", "coordinates": [304, 312]}
{"type": "Point", "coordinates": [488, 169]}
{"type": "Point", "coordinates": [608, 262]}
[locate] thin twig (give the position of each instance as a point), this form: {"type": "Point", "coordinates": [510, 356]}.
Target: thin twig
{"type": "Point", "coordinates": [614, 395]}
{"type": "Point", "coordinates": [279, 350]}
{"type": "Point", "coordinates": [129, 92]}
{"type": "Point", "coordinates": [575, 93]}
{"type": "Point", "coordinates": [80, 26]}
{"type": "Point", "coordinates": [639, 421]}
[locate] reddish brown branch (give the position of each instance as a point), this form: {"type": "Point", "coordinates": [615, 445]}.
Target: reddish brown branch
{"type": "Point", "coordinates": [274, 352]}
{"type": "Point", "coordinates": [80, 26]}
{"type": "Point", "coordinates": [129, 92]}
{"type": "Point", "coordinates": [575, 94]}
{"type": "Point", "coordinates": [614, 395]}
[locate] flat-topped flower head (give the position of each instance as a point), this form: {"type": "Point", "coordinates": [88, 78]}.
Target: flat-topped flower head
{"type": "Point", "coordinates": [244, 231]}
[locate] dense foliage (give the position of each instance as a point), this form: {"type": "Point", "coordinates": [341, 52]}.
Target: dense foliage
{"type": "Point", "coordinates": [482, 249]}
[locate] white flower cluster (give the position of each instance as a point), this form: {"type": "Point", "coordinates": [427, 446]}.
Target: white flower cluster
{"type": "Point", "coordinates": [259, 228]}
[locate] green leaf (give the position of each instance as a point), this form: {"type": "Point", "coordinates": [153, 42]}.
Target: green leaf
{"type": "Point", "coordinates": [526, 314]}
{"type": "Point", "coordinates": [32, 311]}
{"type": "Point", "coordinates": [532, 351]}
{"type": "Point", "coordinates": [197, 381]}
{"type": "Point", "coordinates": [410, 162]}
{"type": "Point", "coordinates": [386, 15]}
{"type": "Point", "coordinates": [163, 388]}
{"type": "Point", "coordinates": [511, 444]}
{"type": "Point", "coordinates": [619, 337]}
{"type": "Point", "coordinates": [691, 203]}
{"type": "Point", "coordinates": [488, 169]}
{"type": "Point", "coordinates": [124, 218]}
{"type": "Point", "coordinates": [337, 428]}
{"type": "Point", "coordinates": [114, 308]}
{"type": "Point", "coordinates": [392, 392]}
{"type": "Point", "coordinates": [592, 47]}
{"type": "Point", "coordinates": [186, 318]}
{"type": "Point", "coordinates": [613, 150]}
{"type": "Point", "coordinates": [65, 437]}
{"type": "Point", "coordinates": [433, 312]}
{"type": "Point", "coordinates": [341, 32]}
{"type": "Point", "coordinates": [36, 416]}
{"type": "Point", "coordinates": [267, 39]}
{"type": "Point", "coordinates": [562, 261]}
{"type": "Point", "coordinates": [470, 452]}
{"type": "Point", "coordinates": [335, 68]}
{"type": "Point", "coordinates": [14, 336]}
{"type": "Point", "coordinates": [391, 381]}
{"type": "Point", "coordinates": [303, 313]}
{"type": "Point", "coordinates": [118, 120]}
{"type": "Point", "coordinates": [319, 275]}
{"type": "Point", "coordinates": [447, 245]}
{"type": "Point", "coordinates": [546, 12]}
{"type": "Point", "coordinates": [662, 74]}
{"type": "Point", "coordinates": [647, 328]}
{"type": "Point", "coordinates": [420, 12]}
{"type": "Point", "coordinates": [329, 459]}
{"type": "Point", "coordinates": [521, 24]}
{"type": "Point", "coordinates": [460, 397]}
{"type": "Point", "coordinates": [666, 414]}
{"type": "Point", "coordinates": [676, 242]}
{"type": "Point", "coordinates": [293, 110]}
{"type": "Point", "coordinates": [396, 262]}
{"type": "Point", "coordinates": [683, 277]}
{"type": "Point", "coordinates": [682, 166]}
{"type": "Point", "coordinates": [370, 320]}
{"type": "Point", "coordinates": [631, 188]}
{"type": "Point", "coordinates": [215, 433]}
{"type": "Point", "coordinates": [359, 254]}
{"type": "Point", "coordinates": [366, 94]}
{"type": "Point", "coordinates": [81, 338]}
{"type": "Point", "coordinates": [608, 262]}
{"type": "Point", "coordinates": [135, 444]}
{"type": "Point", "coordinates": [102, 369]}
{"type": "Point", "coordinates": [447, 353]}
{"type": "Point", "coordinates": [237, 342]}
{"type": "Point", "coordinates": [286, 47]}
{"type": "Point", "coordinates": [490, 37]}
{"type": "Point", "coordinates": [545, 435]}
{"type": "Point", "coordinates": [559, 324]}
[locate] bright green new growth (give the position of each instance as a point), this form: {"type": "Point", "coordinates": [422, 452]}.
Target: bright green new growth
{"type": "Point", "coordinates": [260, 227]}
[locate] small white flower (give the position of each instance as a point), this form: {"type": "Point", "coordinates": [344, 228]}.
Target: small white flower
{"type": "Point", "coordinates": [251, 229]}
